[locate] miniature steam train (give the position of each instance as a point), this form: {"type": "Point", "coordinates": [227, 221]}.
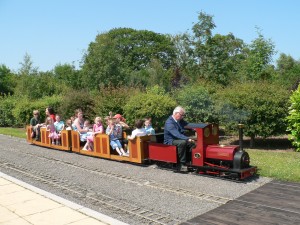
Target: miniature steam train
{"type": "Point", "coordinates": [208, 157]}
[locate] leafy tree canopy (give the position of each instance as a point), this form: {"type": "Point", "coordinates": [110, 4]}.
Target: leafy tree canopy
{"type": "Point", "coordinates": [115, 54]}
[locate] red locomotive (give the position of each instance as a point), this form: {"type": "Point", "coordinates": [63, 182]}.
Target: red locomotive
{"type": "Point", "coordinates": [208, 157]}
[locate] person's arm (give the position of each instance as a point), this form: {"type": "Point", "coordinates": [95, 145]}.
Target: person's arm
{"type": "Point", "coordinates": [123, 124]}
{"type": "Point", "coordinates": [132, 136]}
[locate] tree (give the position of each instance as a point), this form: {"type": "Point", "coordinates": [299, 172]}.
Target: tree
{"type": "Point", "coordinates": [217, 56]}
{"type": "Point", "coordinates": [288, 71]}
{"type": "Point", "coordinates": [6, 80]}
{"type": "Point", "coordinates": [25, 78]}
{"type": "Point", "coordinates": [259, 56]}
{"type": "Point", "coordinates": [115, 54]}
{"type": "Point", "coordinates": [67, 74]}
{"type": "Point", "coordinates": [285, 63]}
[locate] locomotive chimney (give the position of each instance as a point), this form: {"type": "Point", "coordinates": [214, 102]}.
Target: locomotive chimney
{"type": "Point", "coordinates": [241, 126]}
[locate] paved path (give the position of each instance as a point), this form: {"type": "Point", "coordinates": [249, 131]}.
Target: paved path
{"type": "Point", "coordinates": [23, 204]}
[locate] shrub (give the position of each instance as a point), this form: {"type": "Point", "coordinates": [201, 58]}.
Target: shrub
{"type": "Point", "coordinates": [7, 104]}
{"type": "Point", "coordinates": [261, 106]}
{"type": "Point", "coordinates": [112, 99]}
{"type": "Point", "coordinates": [198, 103]}
{"type": "Point", "coordinates": [293, 119]}
{"type": "Point", "coordinates": [75, 99]}
{"type": "Point", "coordinates": [24, 108]}
{"type": "Point", "coordinates": [158, 106]}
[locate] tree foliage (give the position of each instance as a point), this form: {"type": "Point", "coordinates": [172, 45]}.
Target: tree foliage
{"type": "Point", "coordinates": [121, 51]}
{"type": "Point", "coordinates": [198, 103]}
{"type": "Point", "coordinates": [154, 104]}
{"type": "Point", "coordinates": [6, 80]}
{"type": "Point", "coordinates": [260, 105]}
{"type": "Point", "coordinates": [259, 56]}
{"type": "Point", "coordinates": [293, 119]}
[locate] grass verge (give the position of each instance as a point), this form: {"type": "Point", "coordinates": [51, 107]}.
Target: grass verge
{"type": "Point", "coordinates": [280, 165]}
{"type": "Point", "coordinates": [15, 132]}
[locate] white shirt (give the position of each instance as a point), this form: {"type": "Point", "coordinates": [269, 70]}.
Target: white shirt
{"type": "Point", "coordinates": [138, 132]}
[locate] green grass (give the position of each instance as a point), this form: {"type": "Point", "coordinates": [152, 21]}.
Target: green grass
{"type": "Point", "coordinates": [15, 132]}
{"type": "Point", "coordinates": [280, 165]}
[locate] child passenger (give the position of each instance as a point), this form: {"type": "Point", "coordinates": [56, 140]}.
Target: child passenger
{"type": "Point", "coordinates": [120, 124]}
{"type": "Point", "coordinates": [114, 142]}
{"type": "Point", "coordinates": [148, 127]}
{"type": "Point", "coordinates": [139, 131]}
{"type": "Point", "coordinates": [68, 124]}
{"type": "Point", "coordinates": [59, 126]}
{"type": "Point", "coordinates": [35, 124]}
{"type": "Point", "coordinates": [97, 129]}
{"type": "Point", "coordinates": [52, 131]}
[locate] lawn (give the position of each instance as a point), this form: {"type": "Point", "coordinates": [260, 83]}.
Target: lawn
{"type": "Point", "coordinates": [281, 165]}
{"type": "Point", "coordinates": [15, 132]}
{"type": "Point", "coordinates": [274, 158]}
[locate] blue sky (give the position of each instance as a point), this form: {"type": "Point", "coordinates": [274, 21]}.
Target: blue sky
{"type": "Point", "coordinates": [59, 31]}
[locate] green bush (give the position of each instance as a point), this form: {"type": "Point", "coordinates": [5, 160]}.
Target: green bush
{"type": "Point", "coordinates": [158, 106]}
{"type": "Point", "coordinates": [76, 99]}
{"type": "Point", "coordinates": [260, 105]}
{"type": "Point", "coordinates": [198, 104]}
{"type": "Point", "coordinates": [24, 108]}
{"type": "Point", "coordinates": [294, 119]}
{"type": "Point", "coordinates": [16, 111]}
{"type": "Point", "coordinates": [7, 104]}
{"type": "Point", "coordinates": [111, 99]}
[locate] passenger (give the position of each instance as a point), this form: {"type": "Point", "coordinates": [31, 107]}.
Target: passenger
{"type": "Point", "coordinates": [52, 131]}
{"type": "Point", "coordinates": [148, 127]}
{"type": "Point", "coordinates": [72, 119]}
{"type": "Point", "coordinates": [87, 126]}
{"type": "Point", "coordinates": [114, 142]}
{"type": "Point", "coordinates": [59, 126]}
{"type": "Point", "coordinates": [139, 131]}
{"type": "Point", "coordinates": [68, 124]}
{"type": "Point", "coordinates": [174, 135]}
{"type": "Point", "coordinates": [50, 113]}
{"type": "Point", "coordinates": [97, 129]}
{"type": "Point", "coordinates": [35, 124]}
{"type": "Point", "coordinates": [120, 124]}
{"type": "Point", "coordinates": [78, 124]}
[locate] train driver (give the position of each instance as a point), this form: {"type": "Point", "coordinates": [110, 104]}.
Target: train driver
{"type": "Point", "coordinates": [174, 135]}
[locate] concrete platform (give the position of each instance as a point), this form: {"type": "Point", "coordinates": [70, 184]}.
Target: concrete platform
{"type": "Point", "coordinates": [24, 204]}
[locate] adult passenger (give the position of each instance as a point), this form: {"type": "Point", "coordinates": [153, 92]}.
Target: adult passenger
{"type": "Point", "coordinates": [79, 123]}
{"type": "Point", "coordinates": [174, 135]}
{"type": "Point", "coordinates": [50, 113]}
